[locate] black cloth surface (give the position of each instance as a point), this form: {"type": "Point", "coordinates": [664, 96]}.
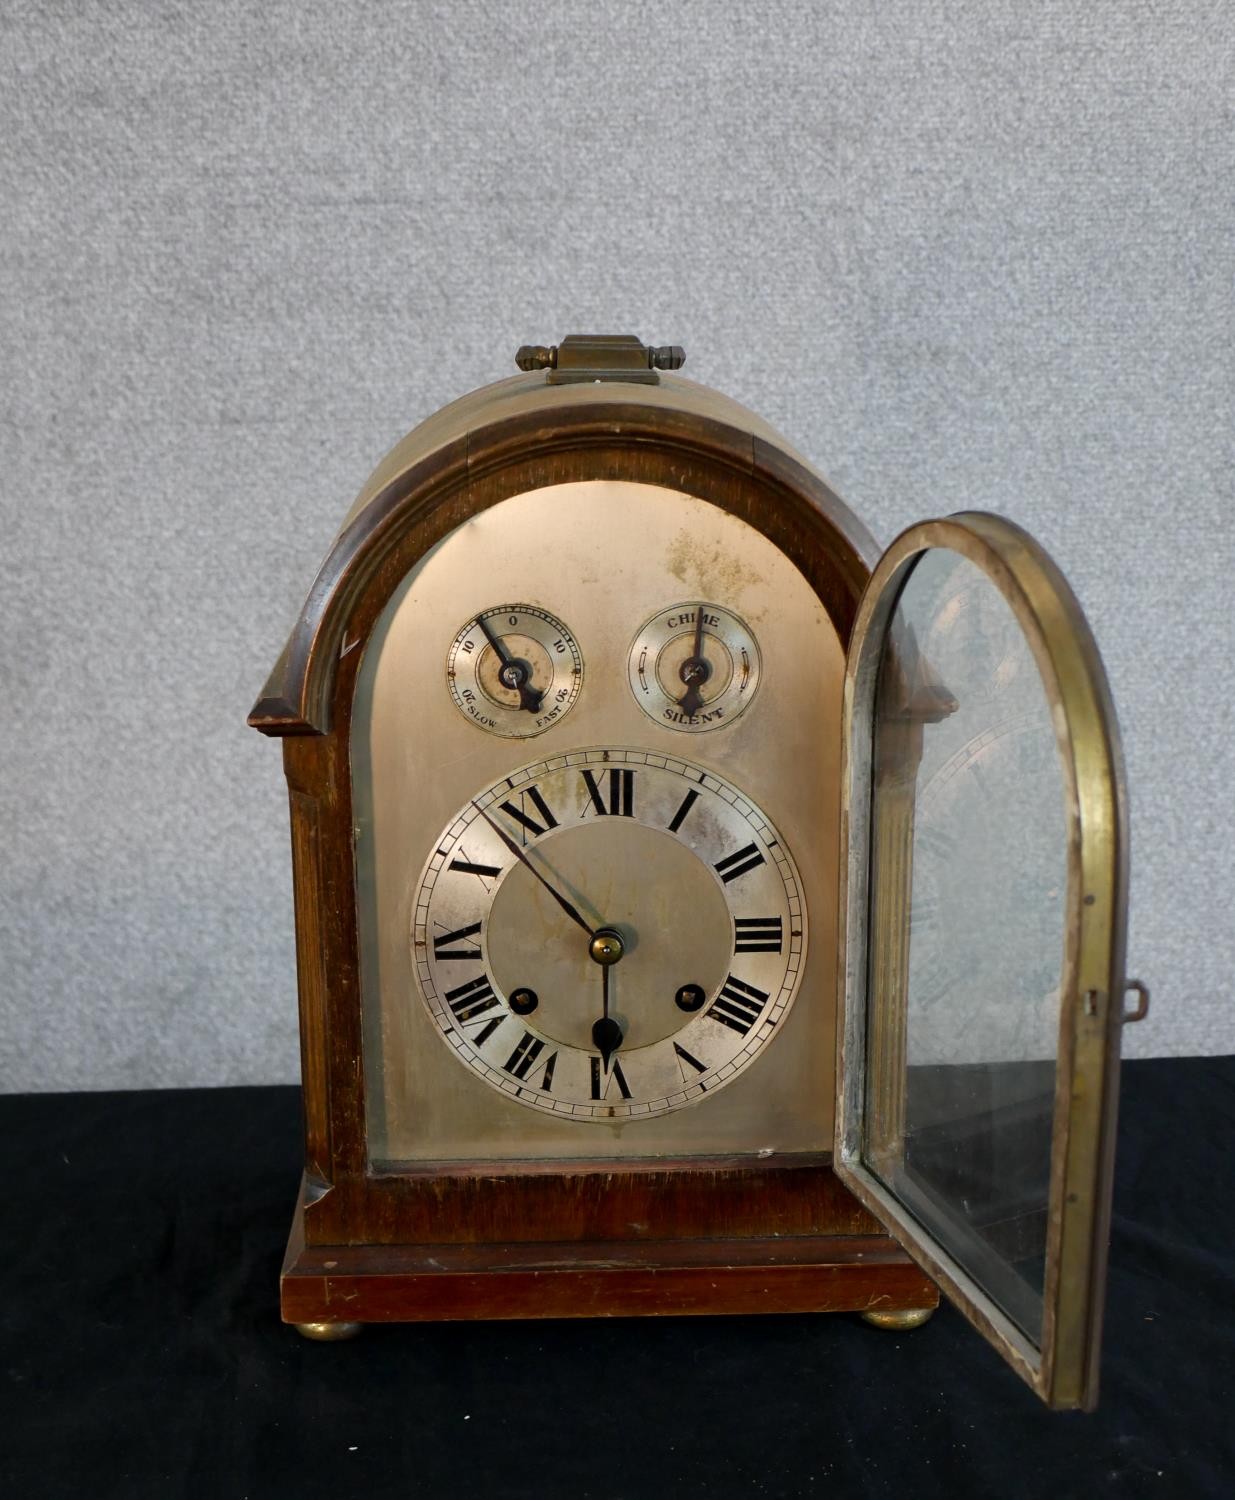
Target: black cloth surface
{"type": "Point", "coordinates": [143, 1354]}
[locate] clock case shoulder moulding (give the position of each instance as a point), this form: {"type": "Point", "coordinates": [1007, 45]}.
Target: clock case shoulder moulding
{"type": "Point", "coordinates": [700, 1235]}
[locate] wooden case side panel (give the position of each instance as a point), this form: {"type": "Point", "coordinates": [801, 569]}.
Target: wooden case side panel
{"type": "Point", "coordinates": [327, 958]}
{"type": "Point", "coordinates": [311, 980]}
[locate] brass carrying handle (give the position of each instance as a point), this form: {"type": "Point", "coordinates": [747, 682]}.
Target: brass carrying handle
{"type": "Point", "coordinates": [1141, 1009]}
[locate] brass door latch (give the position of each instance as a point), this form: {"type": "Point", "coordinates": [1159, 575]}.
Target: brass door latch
{"type": "Point", "coordinates": [1141, 1009]}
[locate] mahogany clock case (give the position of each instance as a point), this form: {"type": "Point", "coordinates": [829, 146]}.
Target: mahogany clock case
{"type": "Point", "coordinates": [412, 1207]}
{"type": "Point", "coordinates": [695, 1234]}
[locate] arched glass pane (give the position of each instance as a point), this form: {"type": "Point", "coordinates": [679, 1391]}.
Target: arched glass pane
{"type": "Point", "coordinates": [967, 920]}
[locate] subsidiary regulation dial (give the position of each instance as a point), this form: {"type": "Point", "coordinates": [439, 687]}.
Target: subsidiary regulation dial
{"type": "Point", "coordinates": [694, 667]}
{"type": "Point", "coordinates": [514, 670]}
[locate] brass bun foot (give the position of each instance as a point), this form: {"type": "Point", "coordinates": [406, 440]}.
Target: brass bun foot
{"type": "Point", "coordinates": [899, 1322]}
{"type": "Point", "coordinates": [328, 1333]}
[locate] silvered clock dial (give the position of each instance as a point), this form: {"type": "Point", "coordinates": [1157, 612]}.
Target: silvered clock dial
{"type": "Point", "coordinates": [609, 933]}
{"type": "Point", "coordinates": [514, 670]}
{"type": "Point", "coordinates": [694, 667]}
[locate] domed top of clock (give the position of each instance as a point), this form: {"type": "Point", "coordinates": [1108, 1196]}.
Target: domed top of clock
{"type": "Point", "coordinates": [590, 406]}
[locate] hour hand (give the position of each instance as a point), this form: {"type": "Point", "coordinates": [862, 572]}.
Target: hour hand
{"type": "Point", "coordinates": [606, 948]}
{"type": "Point", "coordinates": [694, 672]}
{"type": "Point", "coordinates": [607, 1037]}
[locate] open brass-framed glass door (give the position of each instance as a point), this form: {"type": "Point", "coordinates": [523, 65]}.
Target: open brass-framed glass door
{"type": "Point", "coordinates": [984, 874]}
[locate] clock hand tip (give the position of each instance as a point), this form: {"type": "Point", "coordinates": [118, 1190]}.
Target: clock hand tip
{"type": "Point", "coordinates": [607, 1037]}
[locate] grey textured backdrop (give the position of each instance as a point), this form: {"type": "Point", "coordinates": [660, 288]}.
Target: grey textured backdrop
{"type": "Point", "coordinates": [962, 256]}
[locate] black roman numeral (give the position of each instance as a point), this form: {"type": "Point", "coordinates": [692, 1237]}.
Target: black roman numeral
{"type": "Point", "coordinates": [523, 1059]}
{"type": "Point", "coordinates": [533, 796]}
{"type": "Point", "coordinates": [600, 1081]}
{"type": "Point", "coordinates": [686, 1057]}
{"type": "Point", "coordinates": [758, 935]}
{"type": "Point", "coordinates": [621, 792]}
{"type": "Point", "coordinates": [443, 950]}
{"type": "Point", "coordinates": [679, 817]}
{"type": "Point", "coordinates": [471, 999]}
{"type": "Point", "coordinates": [738, 863]}
{"type": "Point", "coordinates": [738, 1005]}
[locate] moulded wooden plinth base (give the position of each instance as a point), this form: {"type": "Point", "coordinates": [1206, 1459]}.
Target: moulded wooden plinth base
{"type": "Point", "coordinates": [409, 1283]}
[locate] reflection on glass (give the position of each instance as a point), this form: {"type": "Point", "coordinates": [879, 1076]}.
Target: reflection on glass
{"type": "Point", "coordinates": [968, 882]}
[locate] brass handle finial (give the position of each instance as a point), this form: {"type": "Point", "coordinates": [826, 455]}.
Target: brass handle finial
{"type": "Point", "coordinates": [537, 357]}
{"type": "Point", "coordinates": [667, 357]}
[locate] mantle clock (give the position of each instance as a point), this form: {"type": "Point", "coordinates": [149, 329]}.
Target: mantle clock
{"type": "Point", "coordinates": [697, 911]}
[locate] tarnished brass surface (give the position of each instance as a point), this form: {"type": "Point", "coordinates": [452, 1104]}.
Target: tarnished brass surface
{"type": "Point", "coordinates": [606, 948]}
{"type": "Point", "coordinates": [328, 1333]}
{"type": "Point", "coordinates": [530, 393]}
{"type": "Point", "coordinates": [899, 1322]}
{"type": "Point", "coordinates": [601, 357]}
{"type": "Point", "coordinates": [536, 356]}
{"type": "Point", "coordinates": [1064, 1369]}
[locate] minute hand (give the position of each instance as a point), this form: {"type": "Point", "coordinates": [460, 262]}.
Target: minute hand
{"type": "Point", "coordinates": [529, 698]}
{"type": "Point", "coordinates": [561, 900]}
{"type": "Point", "coordinates": [695, 670]}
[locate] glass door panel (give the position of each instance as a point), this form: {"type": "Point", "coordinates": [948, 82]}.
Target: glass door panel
{"type": "Point", "coordinates": [985, 866]}
{"type": "Point", "coordinates": [968, 879]}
